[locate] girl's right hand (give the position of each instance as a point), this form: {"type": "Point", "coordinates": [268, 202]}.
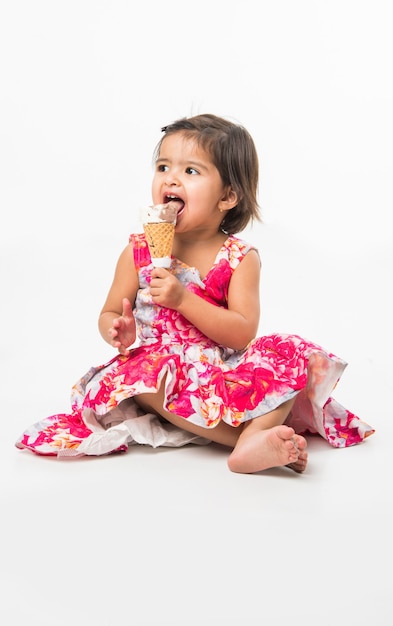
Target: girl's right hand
{"type": "Point", "coordinates": [123, 331]}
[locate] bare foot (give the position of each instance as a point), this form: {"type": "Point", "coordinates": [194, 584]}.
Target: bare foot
{"type": "Point", "coordinates": [258, 450]}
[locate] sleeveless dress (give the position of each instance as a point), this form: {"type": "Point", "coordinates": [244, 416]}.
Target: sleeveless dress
{"type": "Point", "coordinates": [205, 383]}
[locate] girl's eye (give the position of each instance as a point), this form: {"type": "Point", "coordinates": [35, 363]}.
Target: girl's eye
{"type": "Point", "coordinates": [162, 168]}
{"type": "Point", "coordinates": [191, 170]}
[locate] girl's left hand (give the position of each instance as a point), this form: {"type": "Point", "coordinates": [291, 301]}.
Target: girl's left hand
{"type": "Point", "coordinates": [165, 288]}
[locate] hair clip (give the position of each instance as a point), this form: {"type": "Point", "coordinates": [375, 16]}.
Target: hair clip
{"type": "Point", "coordinates": [163, 129]}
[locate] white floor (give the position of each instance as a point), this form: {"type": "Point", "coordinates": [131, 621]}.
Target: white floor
{"type": "Point", "coordinates": [170, 536]}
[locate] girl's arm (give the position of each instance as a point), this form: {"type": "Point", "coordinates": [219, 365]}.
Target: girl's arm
{"type": "Point", "coordinates": [233, 327]}
{"type": "Point", "coordinates": [116, 321]}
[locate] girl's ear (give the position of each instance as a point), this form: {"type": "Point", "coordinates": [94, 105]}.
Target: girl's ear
{"type": "Point", "coordinates": [228, 201]}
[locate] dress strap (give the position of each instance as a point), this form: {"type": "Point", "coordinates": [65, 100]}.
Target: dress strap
{"type": "Point", "coordinates": [234, 250]}
{"type": "Point", "coordinates": [141, 250]}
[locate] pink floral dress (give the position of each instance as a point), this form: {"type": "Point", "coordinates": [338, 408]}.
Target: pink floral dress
{"type": "Point", "coordinates": [205, 383]}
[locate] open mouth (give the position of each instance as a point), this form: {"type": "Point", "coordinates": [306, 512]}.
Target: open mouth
{"type": "Point", "coordinates": [175, 200]}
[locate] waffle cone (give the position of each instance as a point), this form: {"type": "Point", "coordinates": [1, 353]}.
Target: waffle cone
{"type": "Point", "coordinates": [159, 236]}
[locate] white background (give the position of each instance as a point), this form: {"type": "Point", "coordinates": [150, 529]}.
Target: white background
{"type": "Point", "coordinates": [164, 537]}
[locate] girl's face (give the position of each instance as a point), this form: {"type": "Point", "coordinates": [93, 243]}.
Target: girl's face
{"type": "Point", "coordinates": [184, 171]}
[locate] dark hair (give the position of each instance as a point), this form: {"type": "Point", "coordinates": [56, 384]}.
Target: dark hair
{"type": "Point", "coordinates": [233, 153]}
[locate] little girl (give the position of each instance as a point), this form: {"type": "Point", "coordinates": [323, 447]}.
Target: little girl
{"type": "Point", "coordinates": [189, 367]}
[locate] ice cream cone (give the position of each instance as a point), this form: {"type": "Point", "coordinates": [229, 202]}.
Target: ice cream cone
{"type": "Point", "coordinates": [159, 236]}
{"type": "Point", "coordinates": [159, 223]}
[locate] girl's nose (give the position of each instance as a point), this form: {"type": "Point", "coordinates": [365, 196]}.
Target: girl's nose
{"type": "Point", "coordinates": [171, 178]}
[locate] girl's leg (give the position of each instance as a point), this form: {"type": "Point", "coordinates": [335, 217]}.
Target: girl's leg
{"type": "Point", "coordinates": [223, 433]}
{"type": "Point", "coordinates": [259, 444]}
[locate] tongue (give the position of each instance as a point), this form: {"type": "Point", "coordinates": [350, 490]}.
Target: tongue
{"type": "Point", "coordinates": [176, 205]}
